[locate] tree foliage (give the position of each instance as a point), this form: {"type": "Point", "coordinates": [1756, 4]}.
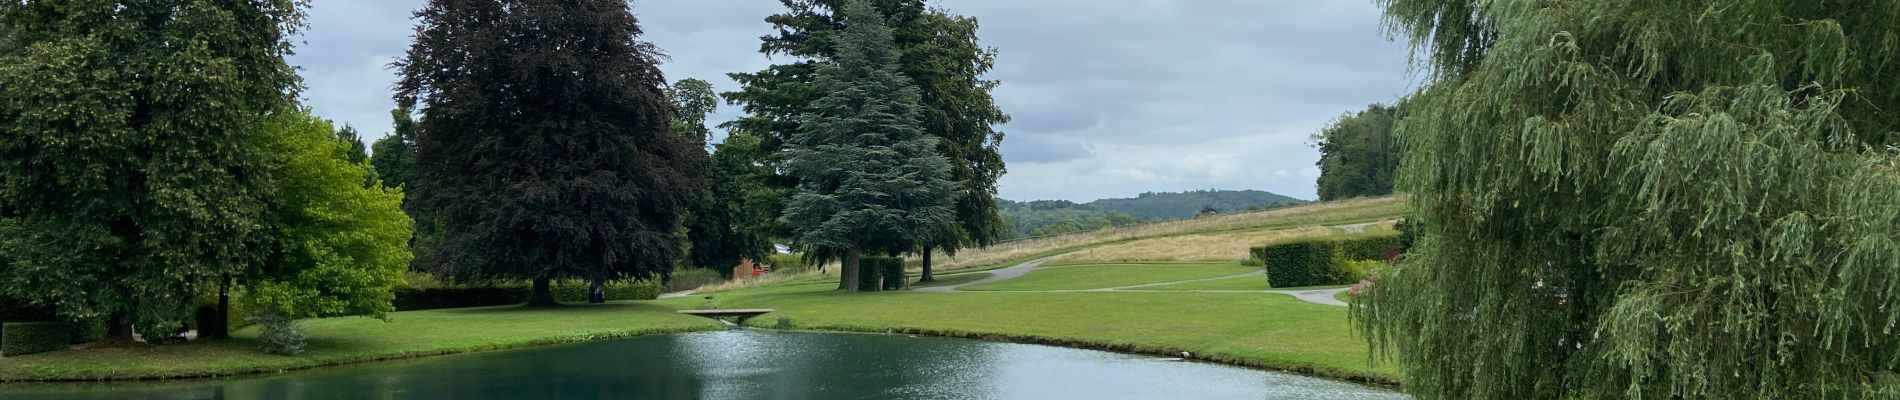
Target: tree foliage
{"type": "Point", "coordinates": [870, 179]}
{"type": "Point", "coordinates": [544, 148]}
{"type": "Point", "coordinates": [719, 227]}
{"type": "Point", "coordinates": [1358, 157]}
{"type": "Point", "coordinates": [394, 159]}
{"type": "Point", "coordinates": [130, 174]}
{"type": "Point", "coordinates": [1623, 199]}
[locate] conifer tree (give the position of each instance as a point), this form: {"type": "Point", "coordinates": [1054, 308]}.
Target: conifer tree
{"type": "Point", "coordinates": [870, 180]}
{"type": "Point", "coordinates": [394, 159]}
{"type": "Point", "coordinates": [544, 149]}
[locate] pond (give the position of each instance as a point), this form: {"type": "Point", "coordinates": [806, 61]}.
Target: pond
{"type": "Point", "coordinates": [750, 364]}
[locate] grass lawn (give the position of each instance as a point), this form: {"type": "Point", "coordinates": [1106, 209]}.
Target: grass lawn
{"type": "Point", "coordinates": [1241, 283]}
{"type": "Point", "coordinates": [355, 339]}
{"type": "Point", "coordinates": [1097, 276]}
{"type": "Point", "coordinates": [958, 279]}
{"type": "Point", "coordinates": [1256, 329]}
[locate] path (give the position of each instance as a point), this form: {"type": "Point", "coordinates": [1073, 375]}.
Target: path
{"type": "Point", "coordinates": [1355, 228]}
{"type": "Point", "coordinates": [995, 275]}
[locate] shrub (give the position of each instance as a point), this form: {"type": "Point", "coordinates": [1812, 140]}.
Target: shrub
{"type": "Point", "coordinates": [22, 338]}
{"type": "Point", "coordinates": [410, 299]}
{"type": "Point", "coordinates": [1368, 247]}
{"type": "Point", "coordinates": [1302, 263]}
{"type": "Point", "coordinates": [683, 279]}
{"type": "Point", "coordinates": [880, 273]}
{"type": "Point", "coordinates": [576, 291]}
{"type": "Point", "coordinates": [277, 334]}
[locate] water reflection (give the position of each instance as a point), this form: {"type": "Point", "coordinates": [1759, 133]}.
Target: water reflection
{"type": "Point", "coordinates": [749, 364]}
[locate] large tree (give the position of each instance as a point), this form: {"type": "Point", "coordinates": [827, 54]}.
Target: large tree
{"type": "Point", "coordinates": [1636, 199]}
{"type": "Point", "coordinates": [544, 150]}
{"type": "Point", "coordinates": [394, 156]}
{"type": "Point", "coordinates": [719, 230]}
{"type": "Point", "coordinates": [131, 179]}
{"type": "Point", "coordinates": [869, 178]}
{"type": "Point", "coordinates": [1358, 156]}
{"type": "Point", "coordinates": [941, 56]}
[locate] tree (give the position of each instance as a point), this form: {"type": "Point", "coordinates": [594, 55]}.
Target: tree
{"type": "Point", "coordinates": [948, 65]}
{"type": "Point", "coordinates": [355, 151]}
{"type": "Point", "coordinates": [692, 99]}
{"type": "Point", "coordinates": [869, 177]}
{"type": "Point", "coordinates": [544, 150]}
{"type": "Point", "coordinates": [345, 246]}
{"type": "Point", "coordinates": [720, 231]}
{"type": "Point", "coordinates": [394, 159]}
{"type": "Point", "coordinates": [1622, 201]}
{"type": "Point", "coordinates": [1358, 155]}
{"type": "Point", "coordinates": [131, 180]}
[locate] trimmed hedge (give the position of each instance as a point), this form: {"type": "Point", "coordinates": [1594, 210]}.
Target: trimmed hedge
{"type": "Point", "coordinates": [1321, 262]}
{"type": "Point", "coordinates": [880, 273]}
{"type": "Point", "coordinates": [411, 299]}
{"type": "Point", "coordinates": [576, 291]}
{"type": "Point", "coordinates": [22, 338]}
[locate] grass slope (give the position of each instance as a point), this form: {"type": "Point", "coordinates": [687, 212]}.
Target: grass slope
{"type": "Point", "coordinates": [335, 341]}
{"type": "Point", "coordinates": [1098, 276]}
{"type": "Point", "coordinates": [1241, 283]}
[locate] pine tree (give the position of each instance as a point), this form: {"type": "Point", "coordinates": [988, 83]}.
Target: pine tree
{"type": "Point", "coordinates": [544, 149]}
{"type": "Point", "coordinates": [394, 159]}
{"type": "Point", "coordinates": [131, 178]}
{"type": "Point", "coordinates": [1632, 199]}
{"type": "Point", "coordinates": [870, 179]}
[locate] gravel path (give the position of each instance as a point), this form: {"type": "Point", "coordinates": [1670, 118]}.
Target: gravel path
{"type": "Point", "coordinates": [995, 275]}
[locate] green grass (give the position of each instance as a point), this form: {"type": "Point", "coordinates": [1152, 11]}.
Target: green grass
{"type": "Point", "coordinates": [1343, 296]}
{"type": "Point", "coordinates": [1272, 331]}
{"type": "Point", "coordinates": [1097, 276]}
{"type": "Point", "coordinates": [958, 279]}
{"type": "Point", "coordinates": [346, 340]}
{"type": "Point", "coordinates": [1241, 283]}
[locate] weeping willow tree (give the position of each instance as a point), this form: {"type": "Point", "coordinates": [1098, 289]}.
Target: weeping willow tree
{"type": "Point", "coordinates": [1648, 199]}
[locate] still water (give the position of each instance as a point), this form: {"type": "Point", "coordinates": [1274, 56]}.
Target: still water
{"type": "Point", "coordinates": [750, 364]}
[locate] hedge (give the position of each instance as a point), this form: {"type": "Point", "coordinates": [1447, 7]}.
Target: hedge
{"type": "Point", "coordinates": [410, 299]}
{"type": "Point", "coordinates": [576, 291]}
{"type": "Point", "coordinates": [22, 338]}
{"type": "Point", "coordinates": [880, 273]}
{"type": "Point", "coordinates": [1321, 262]}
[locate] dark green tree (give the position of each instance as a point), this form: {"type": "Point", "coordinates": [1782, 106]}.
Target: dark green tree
{"type": "Point", "coordinates": [394, 159]}
{"type": "Point", "coordinates": [1636, 199]}
{"type": "Point", "coordinates": [356, 151]}
{"type": "Point", "coordinates": [1358, 157]}
{"type": "Point", "coordinates": [719, 230]}
{"type": "Point", "coordinates": [870, 180]}
{"type": "Point", "coordinates": [948, 65]}
{"type": "Point", "coordinates": [131, 179]}
{"type": "Point", "coordinates": [545, 149]}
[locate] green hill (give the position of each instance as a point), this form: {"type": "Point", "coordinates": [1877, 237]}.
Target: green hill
{"type": "Point", "coordinates": [1048, 217]}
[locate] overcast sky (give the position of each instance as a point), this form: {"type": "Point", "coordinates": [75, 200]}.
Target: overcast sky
{"type": "Point", "coordinates": [1109, 98]}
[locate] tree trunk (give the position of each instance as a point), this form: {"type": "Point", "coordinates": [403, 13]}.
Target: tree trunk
{"type": "Point", "coordinates": [928, 276]}
{"type": "Point", "coordinates": [220, 325]}
{"type": "Point", "coordinates": [542, 296]}
{"type": "Point", "coordinates": [118, 332]}
{"type": "Point", "coordinates": [849, 271]}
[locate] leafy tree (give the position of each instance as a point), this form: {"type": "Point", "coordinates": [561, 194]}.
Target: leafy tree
{"type": "Point", "coordinates": [1358, 155]}
{"type": "Point", "coordinates": [355, 151]}
{"type": "Point", "coordinates": [1683, 199]}
{"type": "Point", "coordinates": [394, 159]}
{"type": "Point", "coordinates": [130, 175]}
{"type": "Point", "coordinates": [869, 178]}
{"type": "Point", "coordinates": [948, 65]}
{"type": "Point", "coordinates": [692, 99]}
{"type": "Point", "coordinates": [345, 246]}
{"type": "Point", "coordinates": [719, 229]}
{"type": "Point", "coordinates": [544, 149]}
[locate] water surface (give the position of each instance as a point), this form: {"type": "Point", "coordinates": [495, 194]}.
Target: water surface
{"type": "Point", "coordinates": [750, 364]}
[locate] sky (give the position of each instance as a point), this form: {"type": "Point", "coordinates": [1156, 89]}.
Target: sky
{"type": "Point", "coordinates": [1108, 98]}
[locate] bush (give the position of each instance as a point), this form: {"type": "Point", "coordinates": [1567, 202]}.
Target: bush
{"type": "Point", "coordinates": [893, 274]}
{"type": "Point", "coordinates": [880, 273]}
{"type": "Point", "coordinates": [576, 291]}
{"type": "Point", "coordinates": [410, 299]}
{"type": "Point", "coordinates": [1368, 247]}
{"type": "Point", "coordinates": [1303, 263]}
{"type": "Point", "coordinates": [22, 338]}
{"type": "Point", "coordinates": [278, 335]}
{"type": "Point", "coordinates": [691, 278]}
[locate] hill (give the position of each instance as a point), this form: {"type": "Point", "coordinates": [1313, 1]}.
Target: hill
{"type": "Point", "coordinates": [1050, 217]}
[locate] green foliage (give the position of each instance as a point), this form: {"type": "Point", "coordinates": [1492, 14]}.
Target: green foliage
{"type": "Point", "coordinates": [539, 158]}
{"type": "Point", "coordinates": [725, 224]}
{"type": "Point", "coordinates": [130, 178]}
{"type": "Point", "coordinates": [1049, 217]}
{"type": "Point", "coordinates": [576, 291]}
{"type": "Point", "coordinates": [429, 298]}
{"type": "Point", "coordinates": [1303, 263]}
{"type": "Point", "coordinates": [23, 338]}
{"type": "Point", "coordinates": [947, 63]}
{"type": "Point", "coordinates": [1683, 199]}
{"type": "Point", "coordinates": [394, 159]}
{"type": "Point", "coordinates": [1368, 246]}
{"type": "Point", "coordinates": [353, 149]}
{"type": "Point", "coordinates": [692, 99]}
{"type": "Point", "coordinates": [691, 278]}
{"type": "Point", "coordinates": [881, 273]}
{"type": "Point", "coordinates": [869, 177]}
{"type": "Point", "coordinates": [345, 246]}
{"type": "Point", "coordinates": [893, 274]}
{"type": "Point", "coordinates": [277, 334]}
{"type": "Point", "coordinates": [1358, 156]}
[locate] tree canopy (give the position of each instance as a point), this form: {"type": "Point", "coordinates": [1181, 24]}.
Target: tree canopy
{"type": "Point", "coordinates": [869, 178]}
{"type": "Point", "coordinates": [545, 148]}
{"type": "Point", "coordinates": [394, 159]}
{"type": "Point", "coordinates": [1358, 157]}
{"type": "Point", "coordinates": [1683, 199]}
{"type": "Point", "coordinates": [131, 178]}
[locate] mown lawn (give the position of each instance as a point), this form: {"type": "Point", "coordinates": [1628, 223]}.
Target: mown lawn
{"type": "Point", "coordinates": [947, 280]}
{"type": "Point", "coordinates": [1257, 329]}
{"type": "Point", "coordinates": [1240, 283]}
{"type": "Point", "coordinates": [345, 340]}
{"type": "Point", "coordinates": [1098, 276]}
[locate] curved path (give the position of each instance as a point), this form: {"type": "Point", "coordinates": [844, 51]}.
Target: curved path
{"type": "Point", "coordinates": [1320, 296]}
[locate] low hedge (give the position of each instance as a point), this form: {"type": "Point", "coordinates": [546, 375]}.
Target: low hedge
{"type": "Point", "coordinates": [880, 273]}
{"type": "Point", "coordinates": [1321, 262]}
{"type": "Point", "coordinates": [22, 338]}
{"type": "Point", "coordinates": [576, 291]}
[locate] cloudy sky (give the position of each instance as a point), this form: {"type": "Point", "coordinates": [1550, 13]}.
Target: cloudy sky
{"type": "Point", "coordinates": [1109, 98]}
